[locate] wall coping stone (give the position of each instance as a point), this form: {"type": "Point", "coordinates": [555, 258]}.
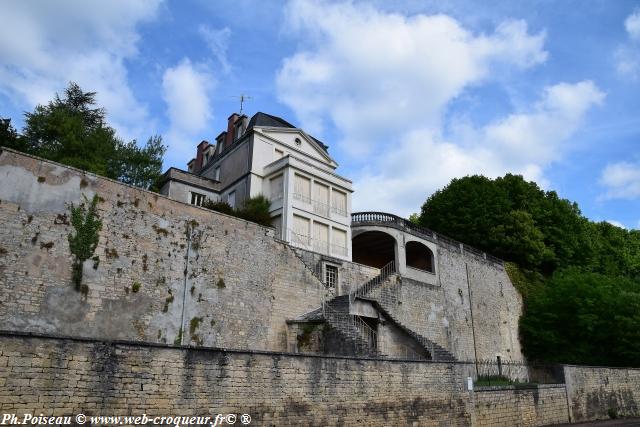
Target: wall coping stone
{"type": "Point", "coordinates": [146, 344]}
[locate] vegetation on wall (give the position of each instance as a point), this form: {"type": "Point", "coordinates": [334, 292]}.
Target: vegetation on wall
{"type": "Point", "coordinates": [83, 243]}
{"type": "Point", "coordinates": [73, 131]}
{"type": "Point", "coordinates": [255, 209]}
{"type": "Point", "coordinates": [580, 280]}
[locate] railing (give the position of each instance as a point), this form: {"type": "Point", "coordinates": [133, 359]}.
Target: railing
{"type": "Point", "coordinates": [339, 211]}
{"type": "Point", "coordinates": [319, 207]}
{"type": "Point", "coordinates": [385, 272]}
{"type": "Point", "coordinates": [505, 373]}
{"type": "Point", "coordinates": [347, 321]}
{"type": "Point", "coordinates": [427, 234]}
{"type": "Point", "coordinates": [307, 242]}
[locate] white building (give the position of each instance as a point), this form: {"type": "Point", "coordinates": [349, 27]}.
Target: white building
{"type": "Point", "coordinates": [310, 203]}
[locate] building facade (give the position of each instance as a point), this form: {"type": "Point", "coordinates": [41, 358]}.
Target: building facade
{"type": "Point", "coordinates": [266, 155]}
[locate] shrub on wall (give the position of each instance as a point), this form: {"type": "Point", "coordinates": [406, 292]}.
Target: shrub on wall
{"type": "Point", "coordinates": [82, 244]}
{"type": "Point", "coordinates": [255, 209]}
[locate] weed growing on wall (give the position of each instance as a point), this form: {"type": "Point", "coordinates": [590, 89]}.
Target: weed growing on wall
{"type": "Point", "coordinates": [82, 243]}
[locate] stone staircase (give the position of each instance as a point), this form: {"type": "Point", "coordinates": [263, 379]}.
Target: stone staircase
{"type": "Point", "coordinates": [437, 352]}
{"type": "Point", "coordinates": [357, 337]}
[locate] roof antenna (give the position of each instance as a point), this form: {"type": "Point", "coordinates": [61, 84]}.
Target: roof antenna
{"type": "Point", "coordinates": [243, 98]}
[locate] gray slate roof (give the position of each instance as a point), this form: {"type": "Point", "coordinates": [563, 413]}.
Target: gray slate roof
{"type": "Point", "coordinates": [267, 120]}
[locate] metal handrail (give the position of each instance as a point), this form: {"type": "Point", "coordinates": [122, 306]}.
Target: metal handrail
{"type": "Point", "coordinates": [386, 271]}
{"type": "Point", "coordinates": [346, 320]}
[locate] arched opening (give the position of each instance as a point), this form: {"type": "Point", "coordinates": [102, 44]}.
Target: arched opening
{"type": "Point", "coordinates": [419, 256]}
{"type": "Point", "coordinates": [373, 248]}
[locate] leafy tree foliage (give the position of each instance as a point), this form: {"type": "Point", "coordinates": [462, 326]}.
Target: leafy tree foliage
{"type": "Point", "coordinates": [83, 243]}
{"type": "Point", "coordinates": [580, 280]}
{"type": "Point", "coordinates": [73, 131]}
{"type": "Point", "coordinates": [255, 209]}
{"type": "Point", "coordinates": [219, 206]}
{"type": "Point", "coordinates": [516, 220]}
{"type": "Point", "coordinates": [583, 318]}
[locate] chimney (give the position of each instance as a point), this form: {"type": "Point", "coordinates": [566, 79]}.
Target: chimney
{"type": "Point", "coordinates": [197, 167]}
{"type": "Point", "coordinates": [230, 130]}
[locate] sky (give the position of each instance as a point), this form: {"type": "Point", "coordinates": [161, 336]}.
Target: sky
{"type": "Point", "coordinates": [406, 94]}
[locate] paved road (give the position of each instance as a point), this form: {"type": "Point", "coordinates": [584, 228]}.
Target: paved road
{"type": "Point", "coordinates": [629, 422]}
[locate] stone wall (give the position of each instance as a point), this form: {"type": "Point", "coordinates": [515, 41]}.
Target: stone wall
{"type": "Point", "coordinates": [351, 275]}
{"type": "Point", "coordinates": [481, 307]}
{"type": "Point", "coordinates": [62, 376]}
{"type": "Point", "coordinates": [164, 271]}
{"type": "Point", "coordinates": [522, 407]}
{"type": "Point", "coordinates": [597, 393]}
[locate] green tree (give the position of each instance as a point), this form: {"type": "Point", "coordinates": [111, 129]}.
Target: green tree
{"type": "Point", "coordinates": [256, 209]}
{"type": "Point", "coordinates": [9, 136]}
{"type": "Point", "coordinates": [511, 218]}
{"type": "Point", "coordinates": [73, 131]}
{"type": "Point", "coordinates": [584, 318]}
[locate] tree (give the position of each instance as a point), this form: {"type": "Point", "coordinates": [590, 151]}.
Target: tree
{"type": "Point", "coordinates": [511, 218]}
{"type": "Point", "coordinates": [9, 136]}
{"type": "Point", "coordinates": [73, 131]}
{"type": "Point", "coordinates": [584, 318]}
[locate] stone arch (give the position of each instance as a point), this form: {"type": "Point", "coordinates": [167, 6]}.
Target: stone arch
{"type": "Point", "coordinates": [419, 256]}
{"type": "Point", "coordinates": [373, 248]}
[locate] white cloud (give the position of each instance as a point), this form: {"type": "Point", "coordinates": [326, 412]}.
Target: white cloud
{"type": "Point", "coordinates": [371, 72]}
{"type": "Point", "coordinates": [186, 89]}
{"type": "Point", "coordinates": [403, 175]}
{"type": "Point", "coordinates": [632, 25]}
{"type": "Point", "coordinates": [621, 181]}
{"type": "Point", "coordinates": [218, 43]}
{"type": "Point", "coordinates": [386, 80]}
{"type": "Point", "coordinates": [44, 45]}
{"type": "Point", "coordinates": [627, 55]}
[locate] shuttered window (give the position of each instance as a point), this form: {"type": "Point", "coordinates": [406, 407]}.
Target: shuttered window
{"type": "Point", "coordinates": [276, 187]}
{"type": "Point", "coordinates": [339, 242]}
{"type": "Point", "coordinates": [320, 237]}
{"type": "Point", "coordinates": [302, 187]}
{"type": "Point", "coordinates": [339, 202]}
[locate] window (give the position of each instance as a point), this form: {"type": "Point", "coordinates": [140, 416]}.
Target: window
{"type": "Point", "coordinates": [320, 237]}
{"type": "Point", "coordinates": [238, 132]}
{"type": "Point", "coordinates": [331, 276]}
{"type": "Point", "coordinates": [339, 242]}
{"type": "Point", "coordinates": [302, 188]}
{"type": "Point", "coordinates": [300, 233]}
{"type": "Point", "coordinates": [338, 202]}
{"type": "Point", "coordinates": [276, 187]}
{"type": "Point", "coordinates": [231, 199]}
{"type": "Point", "coordinates": [197, 198]}
{"type": "Point", "coordinates": [320, 199]}
{"type": "Point", "coordinates": [216, 174]}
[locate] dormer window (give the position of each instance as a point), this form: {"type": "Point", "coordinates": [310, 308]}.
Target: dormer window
{"type": "Point", "coordinates": [238, 131]}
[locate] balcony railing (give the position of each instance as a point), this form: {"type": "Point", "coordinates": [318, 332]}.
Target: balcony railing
{"type": "Point", "coordinates": [307, 242]}
{"type": "Point", "coordinates": [319, 207]}
{"type": "Point", "coordinates": [361, 218]}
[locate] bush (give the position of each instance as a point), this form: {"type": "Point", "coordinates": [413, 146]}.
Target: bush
{"type": "Point", "coordinates": [218, 206]}
{"type": "Point", "coordinates": [256, 209]}
{"type": "Point", "coordinates": [580, 317]}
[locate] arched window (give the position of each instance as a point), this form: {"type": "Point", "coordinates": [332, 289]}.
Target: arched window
{"type": "Point", "coordinates": [419, 256]}
{"type": "Point", "coordinates": [373, 248]}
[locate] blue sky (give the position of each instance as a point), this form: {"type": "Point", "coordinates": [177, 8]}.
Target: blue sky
{"type": "Point", "coordinates": [407, 94]}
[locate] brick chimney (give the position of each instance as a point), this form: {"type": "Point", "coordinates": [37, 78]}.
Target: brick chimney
{"type": "Point", "coordinates": [230, 130]}
{"type": "Point", "coordinates": [197, 167]}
